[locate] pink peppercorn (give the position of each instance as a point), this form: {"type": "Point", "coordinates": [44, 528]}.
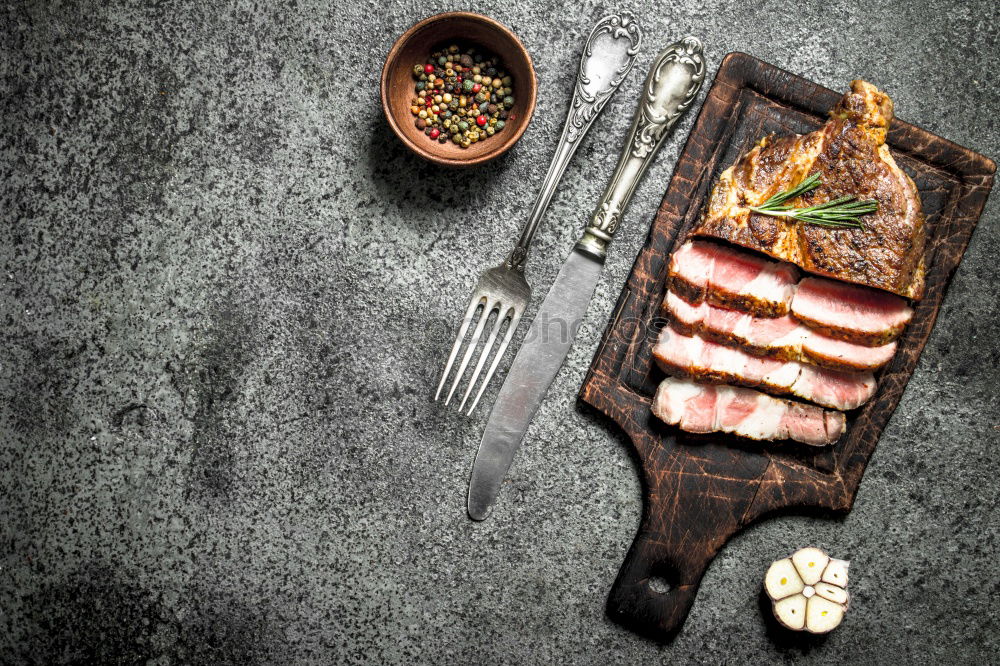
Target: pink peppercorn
{"type": "Point", "coordinates": [429, 69]}
{"type": "Point", "coordinates": [480, 120]}
{"type": "Point", "coordinates": [435, 133]}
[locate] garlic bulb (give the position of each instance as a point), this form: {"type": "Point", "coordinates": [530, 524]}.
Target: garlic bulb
{"type": "Point", "coordinates": [808, 591]}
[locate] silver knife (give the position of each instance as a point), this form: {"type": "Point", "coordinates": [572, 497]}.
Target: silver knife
{"type": "Point", "coordinates": [670, 88]}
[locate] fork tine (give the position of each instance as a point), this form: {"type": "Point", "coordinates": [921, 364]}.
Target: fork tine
{"type": "Point", "coordinates": [515, 317]}
{"type": "Point", "coordinates": [470, 350]}
{"type": "Point", "coordinates": [476, 301]}
{"type": "Point", "coordinates": [501, 315]}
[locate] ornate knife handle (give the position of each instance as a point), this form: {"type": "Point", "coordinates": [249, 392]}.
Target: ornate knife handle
{"type": "Point", "coordinates": [672, 84]}
{"type": "Point", "coordinates": [607, 59]}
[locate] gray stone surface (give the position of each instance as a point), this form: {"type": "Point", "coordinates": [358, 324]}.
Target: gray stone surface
{"type": "Point", "coordinates": [227, 291]}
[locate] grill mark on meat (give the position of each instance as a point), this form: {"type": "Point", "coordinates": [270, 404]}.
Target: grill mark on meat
{"type": "Point", "coordinates": [850, 154]}
{"type": "Point", "coordinates": [705, 408]}
{"type": "Point", "coordinates": [694, 357]}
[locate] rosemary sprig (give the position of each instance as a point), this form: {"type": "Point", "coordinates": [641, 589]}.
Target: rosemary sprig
{"type": "Point", "coordinates": [840, 213]}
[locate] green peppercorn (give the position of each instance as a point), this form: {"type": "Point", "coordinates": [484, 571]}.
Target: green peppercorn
{"type": "Point", "coordinates": [462, 125]}
{"type": "Point", "coordinates": [508, 101]}
{"type": "Point", "coordinates": [500, 124]}
{"type": "Point", "coordinates": [467, 85]}
{"type": "Point", "coordinates": [507, 81]}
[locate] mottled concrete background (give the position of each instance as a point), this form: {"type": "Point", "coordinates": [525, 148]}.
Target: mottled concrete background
{"type": "Point", "coordinates": [227, 291]}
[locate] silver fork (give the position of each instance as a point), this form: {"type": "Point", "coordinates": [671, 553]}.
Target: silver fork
{"type": "Point", "coordinates": [608, 56]}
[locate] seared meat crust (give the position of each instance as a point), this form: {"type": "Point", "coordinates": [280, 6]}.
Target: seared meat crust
{"type": "Point", "coordinates": [850, 154]}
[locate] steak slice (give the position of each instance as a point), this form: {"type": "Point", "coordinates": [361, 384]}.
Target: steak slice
{"type": "Point", "coordinates": [843, 355]}
{"type": "Point", "coordinates": [693, 357]}
{"type": "Point", "coordinates": [856, 314]}
{"type": "Point", "coordinates": [732, 279]}
{"type": "Point", "coordinates": [703, 408]}
{"type": "Point", "coordinates": [701, 271]}
{"type": "Point", "coordinates": [782, 338]}
{"type": "Point", "coordinates": [850, 154]}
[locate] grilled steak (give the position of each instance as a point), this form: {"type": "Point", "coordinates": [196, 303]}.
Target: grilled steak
{"type": "Point", "coordinates": [732, 279]}
{"type": "Point", "coordinates": [857, 314]}
{"type": "Point", "coordinates": [783, 338]}
{"type": "Point", "coordinates": [701, 271]}
{"type": "Point", "coordinates": [843, 355]}
{"type": "Point", "coordinates": [706, 408]}
{"type": "Point", "coordinates": [850, 154]}
{"type": "Point", "coordinates": [694, 357]}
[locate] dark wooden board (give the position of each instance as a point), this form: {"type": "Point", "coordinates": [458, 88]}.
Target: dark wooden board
{"type": "Point", "coordinates": [701, 490]}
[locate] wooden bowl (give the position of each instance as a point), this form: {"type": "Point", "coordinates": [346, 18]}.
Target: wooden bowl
{"type": "Point", "coordinates": [416, 45]}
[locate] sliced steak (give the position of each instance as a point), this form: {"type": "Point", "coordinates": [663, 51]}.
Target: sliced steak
{"type": "Point", "coordinates": [843, 355]}
{"type": "Point", "coordinates": [856, 314]}
{"type": "Point", "coordinates": [703, 408]}
{"type": "Point", "coordinates": [729, 278]}
{"type": "Point", "coordinates": [782, 338]}
{"type": "Point", "coordinates": [850, 154]}
{"type": "Point", "coordinates": [694, 357]}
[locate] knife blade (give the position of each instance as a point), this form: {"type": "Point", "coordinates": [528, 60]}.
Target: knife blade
{"type": "Point", "coordinates": [536, 365]}
{"type": "Point", "coordinates": [670, 88]}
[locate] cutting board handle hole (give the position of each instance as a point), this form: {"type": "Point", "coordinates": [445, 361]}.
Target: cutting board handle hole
{"type": "Point", "coordinates": [659, 584]}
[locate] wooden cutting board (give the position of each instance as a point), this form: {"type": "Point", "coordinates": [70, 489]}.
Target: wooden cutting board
{"type": "Point", "coordinates": [702, 489]}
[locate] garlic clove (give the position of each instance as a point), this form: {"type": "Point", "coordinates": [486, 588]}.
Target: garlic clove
{"type": "Point", "coordinates": [782, 580]}
{"type": "Point", "coordinates": [791, 612]}
{"type": "Point", "coordinates": [836, 572]}
{"type": "Point", "coordinates": [837, 595]}
{"type": "Point", "coordinates": [823, 615]}
{"type": "Point", "coordinates": [810, 563]}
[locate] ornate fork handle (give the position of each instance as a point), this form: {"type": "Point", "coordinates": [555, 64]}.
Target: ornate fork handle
{"type": "Point", "coordinates": [671, 86]}
{"type": "Point", "coordinates": [607, 59]}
